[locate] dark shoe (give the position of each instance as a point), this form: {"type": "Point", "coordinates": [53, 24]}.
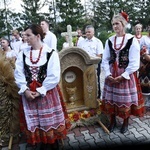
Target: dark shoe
{"type": "Point", "coordinates": [31, 147]}
{"type": "Point", "coordinates": [111, 127]}
{"type": "Point", "coordinates": [112, 123]}
{"type": "Point", "coordinates": [54, 146]}
{"type": "Point", "coordinates": [124, 129]}
{"type": "Point", "coordinates": [43, 146]}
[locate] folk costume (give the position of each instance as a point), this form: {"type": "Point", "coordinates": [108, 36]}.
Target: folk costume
{"type": "Point", "coordinates": [138, 32]}
{"type": "Point", "coordinates": [44, 120]}
{"type": "Point", "coordinates": [144, 71]}
{"type": "Point", "coordinates": [138, 37]}
{"type": "Point", "coordinates": [124, 98]}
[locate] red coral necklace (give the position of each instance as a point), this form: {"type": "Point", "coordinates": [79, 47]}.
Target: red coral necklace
{"type": "Point", "coordinates": [36, 61]}
{"type": "Point", "coordinates": [138, 37]}
{"type": "Point", "coordinates": [121, 43]}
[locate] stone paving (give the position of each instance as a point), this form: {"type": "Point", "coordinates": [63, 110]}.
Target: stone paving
{"type": "Point", "coordinates": [95, 138]}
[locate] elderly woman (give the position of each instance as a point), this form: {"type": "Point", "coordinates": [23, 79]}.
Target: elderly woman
{"type": "Point", "coordinates": [138, 31]}
{"type": "Point", "coordinates": [121, 58]}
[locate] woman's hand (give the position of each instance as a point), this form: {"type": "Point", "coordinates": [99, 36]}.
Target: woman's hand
{"type": "Point", "coordinates": [30, 95]}
{"type": "Point", "coordinates": [119, 79]}
{"type": "Point", "coordinates": [116, 79]}
{"type": "Point", "coordinates": [111, 79]}
{"type": "Point", "coordinates": [37, 94]}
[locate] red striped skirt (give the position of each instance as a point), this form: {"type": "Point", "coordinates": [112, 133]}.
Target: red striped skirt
{"type": "Point", "coordinates": [124, 99]}
{"type": "Point", "coordinates": [55, 132]}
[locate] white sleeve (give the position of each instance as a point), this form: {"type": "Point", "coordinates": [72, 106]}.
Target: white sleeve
{"type": "Point", "coordinates": [19, 74]}
{"type": "Point", "coordinates": [134, 59]}
{"type": "Point", "coordinates": [105, 60]}
{"type": "Point", "coordinates": [53, 74]}
{"type": "Point", "coordinates": [141, 42]}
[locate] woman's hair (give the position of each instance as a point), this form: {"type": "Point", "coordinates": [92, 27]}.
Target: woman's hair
{"type": "Point", "coordinates": [3, 38]}
{"type": "Point", "coordinates": [36, 29]}
{"type": "Point", "coordinates": [122, 17]}
{"type": "Point", "coordinates": [8, 41]}
{"type": "Point", "coordinates": [138, 25]}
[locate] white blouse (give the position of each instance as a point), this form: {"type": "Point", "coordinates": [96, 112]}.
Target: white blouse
{"type": "Point", "coordinates": [53, 69]}
{"type": "Point", "coordinates": [134, 55]}
{"type": "Point", "coordinates": [145, 40]}
{"type": "Point", "coordinates": [11, 54]}
{"type": "Point", "coordinates": [23, 46]}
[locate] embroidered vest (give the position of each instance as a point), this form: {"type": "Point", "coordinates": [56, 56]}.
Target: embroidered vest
{"type": "Point", "coordinates": [123, 54]}
{"type": "Point", "coordinates": [41, 73]}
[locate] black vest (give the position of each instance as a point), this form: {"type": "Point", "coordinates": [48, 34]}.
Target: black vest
{"type": "Point", "coordinates": [42, 70]}
{"type": "Point", "coordinates": [123, 54]}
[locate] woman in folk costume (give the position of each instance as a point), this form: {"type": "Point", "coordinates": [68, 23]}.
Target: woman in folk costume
{"type": "Point", "coordinates": [144, 71]}
{"type": "Point", "coordinates": [44, 119]}
{"type": "Point", "coordinates": [138, 31]}
{"type": "Point", "coordinates": [121, 58]}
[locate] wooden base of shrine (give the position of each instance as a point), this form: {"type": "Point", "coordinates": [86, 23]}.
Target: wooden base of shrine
{"type": "Point", "coordinates": [76, 106]}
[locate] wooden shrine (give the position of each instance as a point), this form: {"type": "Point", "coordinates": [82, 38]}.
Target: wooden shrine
{"type": "Point", "coordinates": [78, 79]}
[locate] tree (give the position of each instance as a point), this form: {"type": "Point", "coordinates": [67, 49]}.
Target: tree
{"type": "Point", "coordinates": [2, 23]}
{"type": "Point", "coordinates": [71, 12]}
{"type": "Point", "coordinates": [104, 11]}
{"type": "Point", "coordinates": [63, 12]}
{"type": "Point", "coordinates": [31, 11]}
{"type": "Point", "coordinates": [144, 16]}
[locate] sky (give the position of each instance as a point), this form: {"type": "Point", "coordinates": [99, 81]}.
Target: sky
{"type": "Point", "coordinates": [16, 5]}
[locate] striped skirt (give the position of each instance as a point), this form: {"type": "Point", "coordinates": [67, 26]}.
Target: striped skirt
{"type": "Point", "coordinates": [44, 119]}
{"type": "Point", "coordinates": [123, 99]}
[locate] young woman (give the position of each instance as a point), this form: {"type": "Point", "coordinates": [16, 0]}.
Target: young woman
{"type": "Point", "coordinates": [7, 49]}
{"type": "Point", "coordinates": [37, 74]}
{"type": "Point", "coordinates": [121, 58]}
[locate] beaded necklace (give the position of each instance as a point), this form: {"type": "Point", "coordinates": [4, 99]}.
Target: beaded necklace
{"type": "Point", "coordinates": [138, 37]}
{"type": "Point", "coordinates": [36, 61]}
{"type": "Point", "coordinates": [121, 43]}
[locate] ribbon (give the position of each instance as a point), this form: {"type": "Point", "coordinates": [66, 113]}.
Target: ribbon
{"type": "Point", "coordinates": [115, 66]}
{"type": "Point", "coordinates": [34, 84]}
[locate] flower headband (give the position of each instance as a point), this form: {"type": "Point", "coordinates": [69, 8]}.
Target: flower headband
{"type": "Point", "coordinates": [124, 15]}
